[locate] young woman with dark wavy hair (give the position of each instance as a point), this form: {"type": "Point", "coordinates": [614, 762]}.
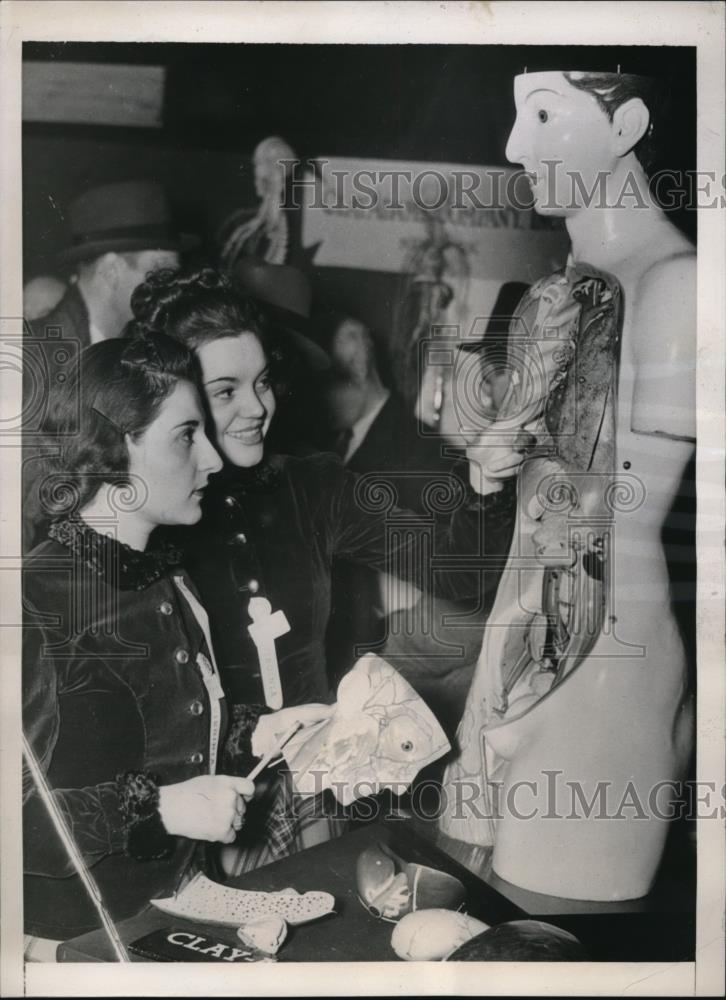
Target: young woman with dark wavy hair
{"type": "Point", "coordinates": [122, 704]}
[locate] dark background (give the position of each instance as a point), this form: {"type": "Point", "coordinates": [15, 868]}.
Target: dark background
{"type": "Point", "coordinates": [449, 103]}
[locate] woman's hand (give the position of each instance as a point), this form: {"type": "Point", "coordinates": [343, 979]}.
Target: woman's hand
{"type": "Point", "coordinates": [271, 727]}
{"type": "Point", "coordinates": [209, 807]}
{"type": "Point", "coordinates": [494, 456]}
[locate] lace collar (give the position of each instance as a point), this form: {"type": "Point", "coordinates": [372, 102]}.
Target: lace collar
{"type": "Point", "coordinates": [118, 564]}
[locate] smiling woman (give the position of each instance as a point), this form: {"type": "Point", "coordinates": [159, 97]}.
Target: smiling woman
{"type": "Point", "coordinates": [236, 378]}
{"type": "Point", "coordinates": [122, 705]}
{"type": "Point", "coordinates": [273, 524]}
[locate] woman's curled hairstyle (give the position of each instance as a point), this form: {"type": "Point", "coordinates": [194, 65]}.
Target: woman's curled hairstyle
{"type": "Point", "coordinates": [194, 308]}
{"type": "Point", "coordinates": [116, 388]}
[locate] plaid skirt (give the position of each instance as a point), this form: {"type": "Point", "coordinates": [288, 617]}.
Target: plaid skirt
{"type": "Point", "coordinates": [279, 822]}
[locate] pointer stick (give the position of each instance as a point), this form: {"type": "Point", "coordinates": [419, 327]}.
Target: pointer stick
{"type": "Point", "coordinates": [274, 752]}
{"type": "Point", "coordinates": [73, 852]}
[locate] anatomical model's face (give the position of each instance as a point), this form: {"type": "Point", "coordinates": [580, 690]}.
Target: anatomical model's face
{"type": "Point", "coordinates": [562, 138]}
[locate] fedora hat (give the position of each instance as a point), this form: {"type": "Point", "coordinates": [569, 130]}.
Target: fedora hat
{"type": "Point", "coordinates": [123, 218]}
{"type": "Point", "coordinates": [286, 296]}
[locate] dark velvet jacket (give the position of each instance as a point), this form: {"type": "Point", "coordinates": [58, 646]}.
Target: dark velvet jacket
{"type": "Point", "coordinates": [274, 531]}
{"type": "Point", "coordinates": [114, 704]}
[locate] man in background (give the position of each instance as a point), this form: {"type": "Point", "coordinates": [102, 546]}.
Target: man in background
{"type": "Point", "coordinates": [426, 638]}
{"type": "Point", "coordinates": [119, 232]}
{"type": "Point", "coordinates": [374, 431]}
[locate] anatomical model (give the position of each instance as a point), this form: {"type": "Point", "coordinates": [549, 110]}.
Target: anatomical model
{"type": "Point", "coordinates": [579, 721]}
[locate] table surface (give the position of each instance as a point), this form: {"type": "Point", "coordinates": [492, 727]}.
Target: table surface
{"type": "Point", "coordinates": [622, 932]}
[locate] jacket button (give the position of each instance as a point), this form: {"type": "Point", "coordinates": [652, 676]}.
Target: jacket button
{"type": "Point", "coordinates": [230, 502]}
{"type": "Point", "coordinates": [165, 608]}
{"type": "Point", "coordinates": [196, 708]}
{"type": "Point", "coordinates": [181, 656]}
{"type": "Point", "coordinates": [253, 586]}
{"type": "Point", "coordinates": [196, 757]}
{"type": "Point", "coordinates": [240, 538]}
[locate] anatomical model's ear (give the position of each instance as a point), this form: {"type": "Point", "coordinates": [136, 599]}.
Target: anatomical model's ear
{"type": "Point", "coordinates": [630, 123]}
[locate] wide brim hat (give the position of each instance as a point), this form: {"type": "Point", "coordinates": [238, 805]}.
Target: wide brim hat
{"type": "Point", "coordinates": [126, 217]}
{"type": "Point", "coordinates": [285, 294]}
